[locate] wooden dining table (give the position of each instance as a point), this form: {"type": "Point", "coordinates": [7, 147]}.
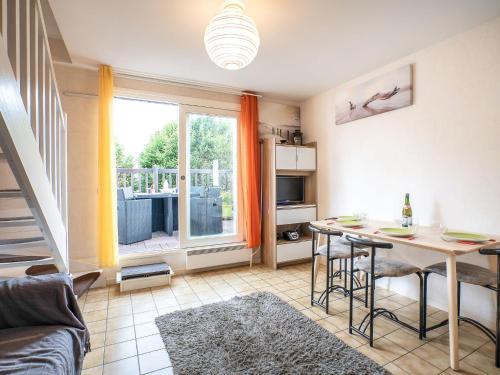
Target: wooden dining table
{"type": "Point", "coordinates": [426, 239]}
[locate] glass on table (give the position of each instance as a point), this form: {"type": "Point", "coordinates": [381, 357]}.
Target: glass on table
{"type": "Point", "coordinates": [413, 227]}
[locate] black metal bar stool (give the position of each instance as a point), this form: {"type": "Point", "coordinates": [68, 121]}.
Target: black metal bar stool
{"type": "Point", "coordinates": [475, 275]}
{"type": "Point", "coordinates": [332, 251]}
{"type": "Point", "coordinates": [377, 269]}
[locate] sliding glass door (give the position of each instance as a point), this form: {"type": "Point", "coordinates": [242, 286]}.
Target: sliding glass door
{"type": "Point", "coordinates": [209, 178]}
{"type": "Point", "coordinates": [177, 166]}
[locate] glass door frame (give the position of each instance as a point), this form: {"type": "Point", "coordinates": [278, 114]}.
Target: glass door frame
{"type": "Point", "coordinates": [218, 239]}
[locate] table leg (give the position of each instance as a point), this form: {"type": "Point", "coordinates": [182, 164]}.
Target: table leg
{"type": "Point", "coordinates": [169, 216]}
{"type": "Point", "coordinates": [316, 259]}
{"type": "Point", "coordinates": [451, 279]}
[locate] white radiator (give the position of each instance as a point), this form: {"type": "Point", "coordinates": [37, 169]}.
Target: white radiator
{"type": "Point", "coordinates": [219, 256]}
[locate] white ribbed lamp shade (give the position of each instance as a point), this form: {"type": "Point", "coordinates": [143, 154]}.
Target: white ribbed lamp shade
{"type": "Point", "coordinates": [231, 37]}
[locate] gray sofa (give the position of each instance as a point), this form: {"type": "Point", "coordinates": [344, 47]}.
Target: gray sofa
{"type": "Point", "coordinates": [41, 327]}
{"type": "Point", "coordinates": [134, 217]}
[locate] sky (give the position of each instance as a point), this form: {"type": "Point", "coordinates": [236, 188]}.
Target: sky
{"type": "Point", "coordinates": [134, 121]}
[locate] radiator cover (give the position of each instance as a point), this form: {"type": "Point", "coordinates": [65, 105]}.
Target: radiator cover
{"type": "Point", "coordinates": [217, 256]}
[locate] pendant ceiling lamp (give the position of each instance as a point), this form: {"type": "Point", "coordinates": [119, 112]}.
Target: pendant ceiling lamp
{"type": "Point", "coordinates": [231, 37]}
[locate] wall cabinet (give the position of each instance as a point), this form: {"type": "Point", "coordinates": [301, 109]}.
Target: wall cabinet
{"type": "Point", "coordinates": [295, 158]}
{"type": "Point", "coordinates": [286, 157]}
{"type": "Point", "coordinates": [306, 158]}
{"type": "Point", "coordinates": [286, 252]}
{"type": "Point", "coordinates": [287, 215]}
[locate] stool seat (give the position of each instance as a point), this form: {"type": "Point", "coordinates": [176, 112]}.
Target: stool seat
{"type": "Point", "coordinates": [387, 267]}
{"type": "Point", "coordinates": [341, 251]}
{"type": "Point", "coordinates": [466, 273]}
{"type": "Point", "coordinates": [344, 241]}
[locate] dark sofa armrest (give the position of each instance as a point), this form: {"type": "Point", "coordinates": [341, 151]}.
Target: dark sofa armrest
{"type": "Point", "coordinates": [39, 300]}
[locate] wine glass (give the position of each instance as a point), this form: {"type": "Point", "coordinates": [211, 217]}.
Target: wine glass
{"type": "Point", "coordinates": [443, 229]}
{"type": "Point", "coordinates": [414, 225]}
{"type": "Point", "coordinates": [361, 215]}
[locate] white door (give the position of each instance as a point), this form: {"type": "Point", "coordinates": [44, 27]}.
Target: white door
{"type": "Point", "coordinates": [209, 183]}
{"type": "Point", "coordinates": [306, 158]}
{"type": "Point", "coordinates": [286, 157]}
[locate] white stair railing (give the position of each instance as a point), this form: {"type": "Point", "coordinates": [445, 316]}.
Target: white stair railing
{"type": "Point", "coordinates": [33, 126]}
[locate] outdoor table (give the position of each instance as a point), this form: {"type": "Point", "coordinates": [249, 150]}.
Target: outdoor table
{"type": "Point", "coordinates": [162, 210]}
{"type": "Point", "coordinates": [428, 239]}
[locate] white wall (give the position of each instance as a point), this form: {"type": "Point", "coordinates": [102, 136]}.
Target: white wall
{"type": "Point", "coordinates": [444, 150]}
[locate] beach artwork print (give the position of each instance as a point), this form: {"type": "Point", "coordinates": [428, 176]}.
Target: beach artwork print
{"type": "Point", "coordinates": [386, 93]}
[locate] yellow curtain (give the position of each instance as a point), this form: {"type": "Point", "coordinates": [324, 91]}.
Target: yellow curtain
{"type": "Point", "coordinates": [107, 227]}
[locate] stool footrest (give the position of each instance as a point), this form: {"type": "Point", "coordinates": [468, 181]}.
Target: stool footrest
{"type": "Point", "coordinates": [386, 314]}
{"type": "Point", "coordinates": [488, 332]}
{"type": "Point", "coordinates": [344, 291]}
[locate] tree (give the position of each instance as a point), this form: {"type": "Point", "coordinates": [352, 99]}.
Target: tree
{"type": "Point", "coordinates": [122, 160]}
{"type": "Point", "coordinates": [210, 139]}
{"type": "Point", "coordinates": [162, 148]}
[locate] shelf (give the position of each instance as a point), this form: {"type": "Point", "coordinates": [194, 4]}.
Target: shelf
{"type": "Point", "coordinates": [302, 238]}
{"type": "Point", "coordinates": [295, 206]}
{"type": "Point", "coordinates": [287, 160]}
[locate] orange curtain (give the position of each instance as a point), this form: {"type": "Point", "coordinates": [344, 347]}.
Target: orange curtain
{"type": "Point", "coordinates": [250, 167]}
{"type": "Point", "coordinates": [107, 227]}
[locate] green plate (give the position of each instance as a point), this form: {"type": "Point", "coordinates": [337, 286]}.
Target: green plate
{"type": "Point", "coordinates": [351, 223]}
{"type": "Point", "coordinates": [397, 232]}
{"type": "Point", "coordinates": [464, 236]}
{"type": "Point", "coordinates": [342, 219]}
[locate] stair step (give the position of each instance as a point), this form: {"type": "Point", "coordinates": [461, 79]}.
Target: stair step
{"type": "Point", "coordinates": [28, 263]}
{"type": "Point", "coordinates": [22, 243]}
{"type": "Point", "coordinates": [22, 221]}
{"type": "Point", "coordinates": [11, 193]}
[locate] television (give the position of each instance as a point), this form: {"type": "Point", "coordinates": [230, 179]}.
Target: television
{"type": "Point", "coordinates": [289, 190]}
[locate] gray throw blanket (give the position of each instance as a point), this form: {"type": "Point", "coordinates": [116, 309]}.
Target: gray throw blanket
{"type": "Point", "coordinates": [41, 326]}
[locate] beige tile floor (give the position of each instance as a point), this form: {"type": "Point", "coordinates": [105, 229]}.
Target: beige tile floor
{"type": "Point", "coordinates": [126, 341]}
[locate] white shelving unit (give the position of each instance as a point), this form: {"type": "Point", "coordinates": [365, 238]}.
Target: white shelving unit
{"type": "Point", "coordinates": [287, 160]}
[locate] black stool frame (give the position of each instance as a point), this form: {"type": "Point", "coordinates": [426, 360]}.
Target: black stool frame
{"type": "Point", "coordinates": [367, 321]}
{"type": "Point", "coordinates": [493, 336]}
{"type": "Point", "coordinates": [324, 299]}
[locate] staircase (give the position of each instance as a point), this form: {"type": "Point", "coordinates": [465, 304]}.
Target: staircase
{"type": "Point", "coordinates": [33, 141]}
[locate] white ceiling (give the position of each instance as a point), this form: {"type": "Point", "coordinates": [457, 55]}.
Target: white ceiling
{"type": "Point", "coordinates": [307, 46]}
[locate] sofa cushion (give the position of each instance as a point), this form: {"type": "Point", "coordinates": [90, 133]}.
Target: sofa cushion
{"type": "Point", "coordinates": [42, 304]}
{"type": "Point", "coordinates": [39, 350]}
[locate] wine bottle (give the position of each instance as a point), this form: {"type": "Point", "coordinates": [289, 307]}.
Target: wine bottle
{"type": "Point", "coordinates": [407, 213]}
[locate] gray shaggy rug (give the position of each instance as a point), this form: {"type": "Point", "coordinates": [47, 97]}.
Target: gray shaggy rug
{"type": "Point", "coordinates": [256, 334]}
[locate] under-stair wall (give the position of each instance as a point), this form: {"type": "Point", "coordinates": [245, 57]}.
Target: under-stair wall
{"type": "Point", "coordinates": [33, 140]}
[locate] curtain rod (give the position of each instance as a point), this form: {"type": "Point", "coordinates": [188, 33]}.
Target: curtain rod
{"type": "Point", "coordinates": [165, 80]}
{"type": "Point", "coordinates": [188, 84]}
{"type": "Point", "coordinates": [89, 95]}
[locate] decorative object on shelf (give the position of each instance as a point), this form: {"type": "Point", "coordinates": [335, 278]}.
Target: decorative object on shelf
{"type": "Point", "coordinates": [385, 93]}
{"type": "Point", "coordinates": [231, 37]}
{"type": "Point", "coordinates": [291, 235]}
{"type": "Point", "coordinates": [297, 138]}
